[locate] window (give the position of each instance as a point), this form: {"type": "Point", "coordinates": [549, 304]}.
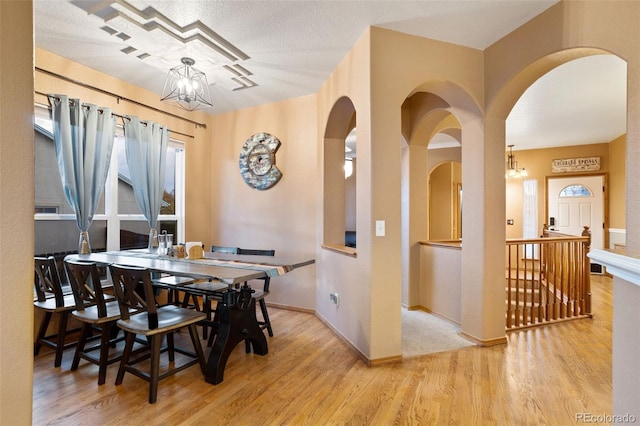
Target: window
{"type": "Point", "coordinates": [576, 191]}
{"type": "Point", "coordinates": [118, 222]}
{"type": "Point", "coordinates": [530, 215]}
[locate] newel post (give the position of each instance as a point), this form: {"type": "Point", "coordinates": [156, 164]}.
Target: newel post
{"type": "Point", "coordinates": [587, 269]}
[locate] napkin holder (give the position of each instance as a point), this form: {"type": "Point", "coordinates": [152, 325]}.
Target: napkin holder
{"type": "Point", "coordinates": [194, 250]}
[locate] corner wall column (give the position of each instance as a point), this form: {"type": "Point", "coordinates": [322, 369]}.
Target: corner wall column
{"type": "Point", "coordinates": [483, 231]}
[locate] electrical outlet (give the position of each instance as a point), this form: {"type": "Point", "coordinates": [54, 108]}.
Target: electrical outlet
{"type": "Point", "coordinates": [335, 299]}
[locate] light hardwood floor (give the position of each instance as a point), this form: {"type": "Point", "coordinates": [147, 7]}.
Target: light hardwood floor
{"type": "Point", "coordinates": [543, 376]}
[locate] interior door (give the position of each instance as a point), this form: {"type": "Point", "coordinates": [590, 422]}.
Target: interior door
{"type": "Point", "coordinates": [575, 202]}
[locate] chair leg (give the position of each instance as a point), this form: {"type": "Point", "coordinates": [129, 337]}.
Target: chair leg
{"type": "Point", "coordinates": [62, 329]}
{"type": "Point", "coordinates": [44, 325]}
{"type": "Point", "coordinates": [197, 346]}
{"type": "Point", "coordinates": [172, 297]}
{"type": "Point", "coordinates": [104, 352]}
{"type": "Point", "coordinates": [206, 308]}
{"type": "Point", "coordinates": [84, 335]}
{"type": "Point", "coordinates": [156, 341]}
{"type": "Point", "coordinates": [185, 301]}
{"type": "Point", "coordinates": [128, 348]}
{"type": "Point", "coordinates": [171, 347]}
{"type": "Point", "coordinates": [265, 316]}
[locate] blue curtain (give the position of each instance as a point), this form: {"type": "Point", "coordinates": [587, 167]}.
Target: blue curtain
{"type": "Point", "coordinates": [83, 136]}
{"type": "Point", "coordinates": [146, 149]}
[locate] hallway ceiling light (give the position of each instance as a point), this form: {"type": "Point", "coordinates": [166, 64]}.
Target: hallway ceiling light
{"type": "Point", "coordinates": [187, 87]}
{"type": "Point", "coordinates": [512, 166]}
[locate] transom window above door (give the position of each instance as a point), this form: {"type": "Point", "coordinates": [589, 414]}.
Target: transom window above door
{"type": "Point", "coordinates": [575, 191]}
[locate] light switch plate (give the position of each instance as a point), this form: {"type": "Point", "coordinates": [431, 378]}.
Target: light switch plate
{"type": "Point", "coordinates": [379, 228]}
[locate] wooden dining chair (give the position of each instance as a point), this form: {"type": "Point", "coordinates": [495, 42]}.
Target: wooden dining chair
{"type": "Point", "coordinates": [140, 315]}
{"type": "Point", "coordinates": [260, 294]}
{"type": "Point", "coordinates": [50, 300]}
{"type": "Point", "coordinates": [97, 311]}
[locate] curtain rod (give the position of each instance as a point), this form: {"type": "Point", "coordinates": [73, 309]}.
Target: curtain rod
{"type": "Point", "coordinates": [122, 117]}
{"type": "Point", "coordinates": [118, 97]}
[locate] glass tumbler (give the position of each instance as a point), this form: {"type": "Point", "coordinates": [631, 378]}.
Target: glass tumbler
{"type": "Point", "coordinates": [162, 244]}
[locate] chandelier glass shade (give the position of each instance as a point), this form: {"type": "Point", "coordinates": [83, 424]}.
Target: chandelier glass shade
{"type": "Point", "coordinates": [512, 169]}
{"type": "Point", "coordinates": [187, 87]}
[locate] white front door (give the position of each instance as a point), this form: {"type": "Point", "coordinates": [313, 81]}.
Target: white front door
{"type": "Point", "coordinates": [576, 202]}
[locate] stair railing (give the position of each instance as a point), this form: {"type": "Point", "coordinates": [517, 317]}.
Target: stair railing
{"type": "Point", "coordinates": [547, 279]}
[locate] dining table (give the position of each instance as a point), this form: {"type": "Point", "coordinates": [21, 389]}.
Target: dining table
{"type": "Point", "coordinates": [235, 319]}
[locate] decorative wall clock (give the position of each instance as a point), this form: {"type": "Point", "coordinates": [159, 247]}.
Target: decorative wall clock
{"type": "Point", "coordinates": [258, 161]}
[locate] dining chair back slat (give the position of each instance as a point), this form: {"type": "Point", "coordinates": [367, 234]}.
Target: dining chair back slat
{"type": "Point", "coordinates": [50, 300]}
{"type": "Point", "coordinates": [86, 285]}
{"type": "Point", "coordinates": [224, 249]}
{"type": "Point", "coordinates": [256, 252]}
{"type": "Point", "coordinates": [133, 290]}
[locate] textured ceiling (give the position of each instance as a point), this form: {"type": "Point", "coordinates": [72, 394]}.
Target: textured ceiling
{"type": "Point", "coordinates": [257, 52]}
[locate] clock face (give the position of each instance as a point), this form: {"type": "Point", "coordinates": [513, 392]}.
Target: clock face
{"type": "Point", "coordinates": [258, 161]}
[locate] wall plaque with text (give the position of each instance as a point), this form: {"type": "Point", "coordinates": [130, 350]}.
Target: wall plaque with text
{"type": "Point", "coordinates": [584, 164]}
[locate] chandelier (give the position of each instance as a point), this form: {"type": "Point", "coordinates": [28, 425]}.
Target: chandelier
{"type": "Point", "coordinates": [187, 87]}
{"type": "Point", "coordinates": [512, 166]}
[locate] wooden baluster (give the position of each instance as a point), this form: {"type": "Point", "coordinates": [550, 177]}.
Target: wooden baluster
{"type": "Point", "coordinates": [575, 263]}
{"type": "Point", "coordinates": [508, 287]}
{"type": "Point", "coordinates": [530, 277]}
{"type": "Point", "coordinates": [556, 280]}
{"type": "Point", "coordinates": [539, 285]}
{"type": "Point", "coordinates": [564, 251]}
{"type": "Point", "coordinates": [587, 271]}
{"type": "Point", "coordinates": [517, 289]}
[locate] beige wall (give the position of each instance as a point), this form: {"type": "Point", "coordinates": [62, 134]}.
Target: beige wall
{"type": "Point", "coordinates": [16, 210]}
{"type": "Point", "coordinates": [349, 276]}
{"type": "Point", "coordinates": [617, 183]}
{"type": "Point", "coordinates": [283, 217]}
{"type": "Point", "coordinates": [443, 201]}
{"type": "Point", "coordinates": [440, 194]}
{"type": "Point", "coordinates": [375, 275]}
{"type": "Point", "coordinates": [441, 281]}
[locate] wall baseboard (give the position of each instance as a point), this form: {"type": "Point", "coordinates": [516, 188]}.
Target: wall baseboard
{"type": "Point", "coordinates": [291, 308]}
{"type": "Point", "coordinates": [485, 343]}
